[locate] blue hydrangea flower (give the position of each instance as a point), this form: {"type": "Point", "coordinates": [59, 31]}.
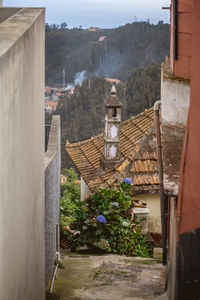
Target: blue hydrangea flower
{"type": "Point", "coordinates": [115, 204]}
{"type": "Point", "coordinates": [101, 219]}
{"type": "Point", "coordinates": [128, 180]}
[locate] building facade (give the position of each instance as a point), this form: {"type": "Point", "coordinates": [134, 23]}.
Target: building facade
{"type": "Point", "coordinates": [180, 94]}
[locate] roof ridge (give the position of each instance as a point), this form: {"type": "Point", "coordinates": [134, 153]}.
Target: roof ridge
{"type": "Point", "coordinates": [87, 141]}
{"type": "Point", "coordinates": [143, 113]}
{"type": "Point", "coordinates": [77, 166]}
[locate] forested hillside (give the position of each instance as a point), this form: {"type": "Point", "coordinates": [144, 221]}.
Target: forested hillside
{"type": "Point", "coordinates": [82, 114]}
{"type": "Point", "coordinates": [123, 49]}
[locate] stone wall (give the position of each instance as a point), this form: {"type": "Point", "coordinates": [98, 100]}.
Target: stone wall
{"type": "Point", "coordinates": [52, 197]}
{"type": "Point", "coordinates": [22, 246]}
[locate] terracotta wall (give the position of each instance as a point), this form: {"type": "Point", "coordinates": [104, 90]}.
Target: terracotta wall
{"type": "Point", "coordinates": [182, 66]}
{"type": "Point", "coordinates": [190, 194]}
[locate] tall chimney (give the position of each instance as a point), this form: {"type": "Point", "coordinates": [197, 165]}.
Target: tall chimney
{"type": "Point", "coordinates": [112, 131]}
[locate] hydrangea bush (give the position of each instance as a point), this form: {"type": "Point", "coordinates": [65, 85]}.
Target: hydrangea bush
{"type": "Point", "coordinates": [104, 220]}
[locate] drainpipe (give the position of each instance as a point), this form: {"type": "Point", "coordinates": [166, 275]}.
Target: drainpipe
{"type": "Point", "coordinates": [157, 106]}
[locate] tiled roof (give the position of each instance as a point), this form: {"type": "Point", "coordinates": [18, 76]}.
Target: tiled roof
{"type": "Point", "coordinates": [113, 80]}
{"type": "Point", "coordinates": [137, 156]}
{"type": "Point", "coordinates": [51, 103]}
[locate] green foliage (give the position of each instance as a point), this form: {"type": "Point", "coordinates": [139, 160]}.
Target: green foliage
{"type": "Point", "coordinates": [71, 196]}
{"type": "Point", "coordinates": [142, 88]}
{"type": "Point", "coordinates": [132, 243]}
{"type": "Point", "coordinates": [104, 220]}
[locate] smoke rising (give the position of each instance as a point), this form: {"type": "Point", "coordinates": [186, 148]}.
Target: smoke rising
{"type": "Point", "coordinates": [78, 79]}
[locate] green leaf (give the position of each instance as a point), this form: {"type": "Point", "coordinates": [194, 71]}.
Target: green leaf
{"type": "Point", "coordinates": [98, 232]}
{"type": "Point", "coordinates": [106, 212]}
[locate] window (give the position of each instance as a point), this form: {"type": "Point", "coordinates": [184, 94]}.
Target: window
{"type": "Point", "coordinates": [114, 112]}
{"type": "Point", "coordinates": [175, 28]}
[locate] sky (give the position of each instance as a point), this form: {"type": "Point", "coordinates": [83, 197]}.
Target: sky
{"type": "Point", "coordinates": [100, 13]}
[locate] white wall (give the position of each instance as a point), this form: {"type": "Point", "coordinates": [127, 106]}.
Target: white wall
{"type": "Point", "coordinates": [22, 156]}
{"type": "Point", "coordinates": [84, 189]}
{"type": "Point", "coordinates": [153, 204]}
{"type": "Point", "coordinates": [175, 95]}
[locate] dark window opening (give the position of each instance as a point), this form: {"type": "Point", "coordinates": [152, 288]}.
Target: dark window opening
{"type": "Point", "coordinates": [175, 28]}
{"type": "Point", "coordinates": [114, 112]}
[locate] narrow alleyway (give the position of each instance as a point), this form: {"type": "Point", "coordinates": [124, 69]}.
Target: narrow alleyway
{"type": "Point", "coordinates": [108, 277]}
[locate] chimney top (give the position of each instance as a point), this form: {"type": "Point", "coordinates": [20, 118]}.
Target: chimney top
{"type": "Point", "coordinates": [113, 90]}
{"type": "Point", "coordinates": [113, 100]}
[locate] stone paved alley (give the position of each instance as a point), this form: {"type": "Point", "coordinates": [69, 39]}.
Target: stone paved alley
{"type": "Point", "coordinates": [108, 277]}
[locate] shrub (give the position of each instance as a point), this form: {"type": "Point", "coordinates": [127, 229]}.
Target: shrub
{"type": "Point", "coordinates": [69, 203]}
{"type": "Point", "coordinates": [104, 220]}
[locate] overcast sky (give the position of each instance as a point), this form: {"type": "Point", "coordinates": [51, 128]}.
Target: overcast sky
{"type": "Point", "coordinates": [101, 13]}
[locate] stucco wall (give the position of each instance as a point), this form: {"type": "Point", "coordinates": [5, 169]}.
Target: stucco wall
{"type": "Point", "coordinates": [153, 204]}
{"type": "Point", "coordinates": [52, 197]}
{"type": "Point", "coordinates": [84, 189]}
{"type": "Point", "coordinates": [22, 156]}
{"type": "Point", "coordinates": [175, 99]}
{"type": "Point", "coordinates": [175, 95]}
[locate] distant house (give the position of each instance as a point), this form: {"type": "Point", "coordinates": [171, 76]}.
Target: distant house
{"type": "Point", "coordinates": [102, 38]}
{"type": "Point", "coordinates": [125, 150]}
{"type": "Point", "coordinates": [58, 94]}
{"type": "Point", "coordinates": [113, 80]}
{"type": "Point", "coordinates": [50, 90]}
{"type": "Point", "coordinates": [60, 90]}
{"type": "Point", "coordinates": [92, 28]}
{"type": "Point", "coordinates": [63, 179]}
{"type": "Point", "coordinates": [50, 106]}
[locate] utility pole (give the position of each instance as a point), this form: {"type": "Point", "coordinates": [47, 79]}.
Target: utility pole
{"type": "Point", "coordinates": [63, 78]}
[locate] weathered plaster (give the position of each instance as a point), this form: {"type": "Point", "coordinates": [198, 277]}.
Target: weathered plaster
{"type": "Point", "coordinates": [52, 197]}
{"type": "Point", "coordinates": [84, 189]}
{"type": "Point", "coordinates": [153, 204]}
{"type": "Point", "coordinates": [22, 246]}
{"type": "Point", "coordinates": [175, 97]}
